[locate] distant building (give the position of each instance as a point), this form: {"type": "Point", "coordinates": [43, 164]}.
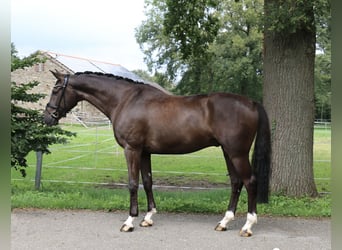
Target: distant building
{"type": "Point", "coordinates": [67, 64]}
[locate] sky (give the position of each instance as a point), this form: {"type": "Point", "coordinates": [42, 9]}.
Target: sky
{"type": "Point", "coordinates": [96, 29]}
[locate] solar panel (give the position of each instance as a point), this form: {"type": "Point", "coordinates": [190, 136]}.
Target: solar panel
{"type": "Point", "coordinates": [77, 64]}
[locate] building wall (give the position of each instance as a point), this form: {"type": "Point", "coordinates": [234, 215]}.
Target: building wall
{"type": "Point", "coordinates": [41, 73]}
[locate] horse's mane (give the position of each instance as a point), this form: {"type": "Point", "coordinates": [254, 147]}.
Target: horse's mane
{"type": "Point", "coordinates": [157, 86]}
{"type": "Point", "coordinates": [109, 75]}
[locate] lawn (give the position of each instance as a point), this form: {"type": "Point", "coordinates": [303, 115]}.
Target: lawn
{"type": "Point", "coordinates": [82, 174]}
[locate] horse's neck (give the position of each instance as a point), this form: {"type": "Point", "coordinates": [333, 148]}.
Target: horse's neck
{"type": "Point", "coordinates": [104, 95]}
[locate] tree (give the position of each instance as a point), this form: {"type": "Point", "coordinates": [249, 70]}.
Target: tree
{"type": "Point", "coordinates": [158, 77]}
{"type": "Point", "coordinates": [323, 62]}
{"type": "Point", "coordinates": [289, 58]}
{"type": "Point", "coordinates": [28, 132]}
{"type": "Point", "coordinates": [192, 25]}
{"type": "Point", "coordinates": [210, 45]}
{"type": "Point", "coordinates": [160, 52]}
{"type": "Point", "coordinates": [238, 48]}
{"type": "Point", "coordinates": [237, 62]}
{"type": "Point", "coordinates": [323, 86]}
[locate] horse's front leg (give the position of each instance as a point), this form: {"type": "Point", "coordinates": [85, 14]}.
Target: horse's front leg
{"type": "Point", "coordinates": [133, 158]}
{"type": "Point", "coordinates": [146, 175]}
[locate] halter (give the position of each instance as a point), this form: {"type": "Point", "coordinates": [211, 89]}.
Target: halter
{"type": "Point", "coordinates": [55, 114]}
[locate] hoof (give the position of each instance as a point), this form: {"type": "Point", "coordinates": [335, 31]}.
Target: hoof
{"type": "Point", "coordinates": [126, 228]}
{"type": "Point", "coordinates": [219, 228]}
{"type": "Point", "coordinates": [246, 233]}
{"type": "Point", "coordinates": [145, 223]}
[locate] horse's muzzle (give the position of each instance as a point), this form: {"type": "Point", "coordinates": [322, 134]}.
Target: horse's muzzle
{"type": "Point", "coordinates": [49, 119]}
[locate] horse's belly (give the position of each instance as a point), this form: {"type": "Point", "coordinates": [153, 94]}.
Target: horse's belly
{"type": "Point", "coordinates": [176, 144]}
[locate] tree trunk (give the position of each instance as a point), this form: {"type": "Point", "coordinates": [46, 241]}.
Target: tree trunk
{"type": "Point", "coordinates": [289, 100]}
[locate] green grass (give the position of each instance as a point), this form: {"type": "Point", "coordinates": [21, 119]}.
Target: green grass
{"type": "Point", "coordinates": [322, 159]}
{"type": "Point", "coordinates": [93, 156]}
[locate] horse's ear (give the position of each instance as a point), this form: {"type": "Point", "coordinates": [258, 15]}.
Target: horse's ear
{"type": "Point", "coordinates": [57, 74]}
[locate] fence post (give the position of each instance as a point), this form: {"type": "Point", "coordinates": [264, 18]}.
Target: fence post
{"type": "Point", "coordinates": [39, 156]}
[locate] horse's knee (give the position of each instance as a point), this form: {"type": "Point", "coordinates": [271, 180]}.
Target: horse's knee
{"type": "Point", "coordinates": [133, 186]}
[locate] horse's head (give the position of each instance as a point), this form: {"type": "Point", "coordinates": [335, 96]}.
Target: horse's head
{"type": "Point", "coordinates": [62, 99]}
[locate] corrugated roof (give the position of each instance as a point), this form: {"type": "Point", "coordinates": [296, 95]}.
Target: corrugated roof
{"type": "Point", "coordinates": [78, 64]}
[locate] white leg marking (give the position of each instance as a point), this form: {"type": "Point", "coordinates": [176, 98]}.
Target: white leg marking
{"type": "Point", "coordinates": [129, 221]}
{"type": "Point", "coordinates": [147, 221]}
{"type": "Point", "coordinates": [128, 225]}
{"type": "Point", "coordinates": [229, 216]}
{"type": "Point", "coordinates": [251, 220]}
{"type": "Point", "coordinates": [148, 216]}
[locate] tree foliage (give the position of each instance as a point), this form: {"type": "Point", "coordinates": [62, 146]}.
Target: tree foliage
{"type": "Point", "coordinates": [212, 45]}
{"type": "Point", "coordinates": [192, 25]}
{"type": "Point", "coordinates": [161, 52]}
{"type": "Point", "coordinates": [28, 132]}
{"type": "Point", "coordinates": [158, 77]}
{"type": "Point", "coordinates": [209, 45]}
{"type": "Point", "coordinates": [323, 86]}
{"type": "Point", "coordinates": [323, 60]}
{"type": "Point", "coordinates": [286, 17]}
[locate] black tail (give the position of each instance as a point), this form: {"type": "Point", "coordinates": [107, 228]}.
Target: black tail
{"type": "Point", "coordinates": [261, 159]}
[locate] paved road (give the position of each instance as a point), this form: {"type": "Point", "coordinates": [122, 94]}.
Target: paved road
{"type": "Point", "coordinates": [56, 229]}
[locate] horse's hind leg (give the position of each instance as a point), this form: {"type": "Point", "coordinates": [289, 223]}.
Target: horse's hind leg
{"type": "Point", "coordinates": [146, 175]}
{"type": "Point", "coordinates": [244, 170]}
{"type": "Point", "coordinates": [236, 186]}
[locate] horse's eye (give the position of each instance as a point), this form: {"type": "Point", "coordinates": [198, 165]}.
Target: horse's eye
{"type": "Point", "coordinates": [56, 88]}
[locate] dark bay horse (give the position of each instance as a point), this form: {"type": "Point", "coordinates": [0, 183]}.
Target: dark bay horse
{"type": "Point", "coordinates": [149, 121]}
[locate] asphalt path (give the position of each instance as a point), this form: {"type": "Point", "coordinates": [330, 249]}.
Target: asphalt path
{"type": "Point", "coordinates": [84, 229]}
